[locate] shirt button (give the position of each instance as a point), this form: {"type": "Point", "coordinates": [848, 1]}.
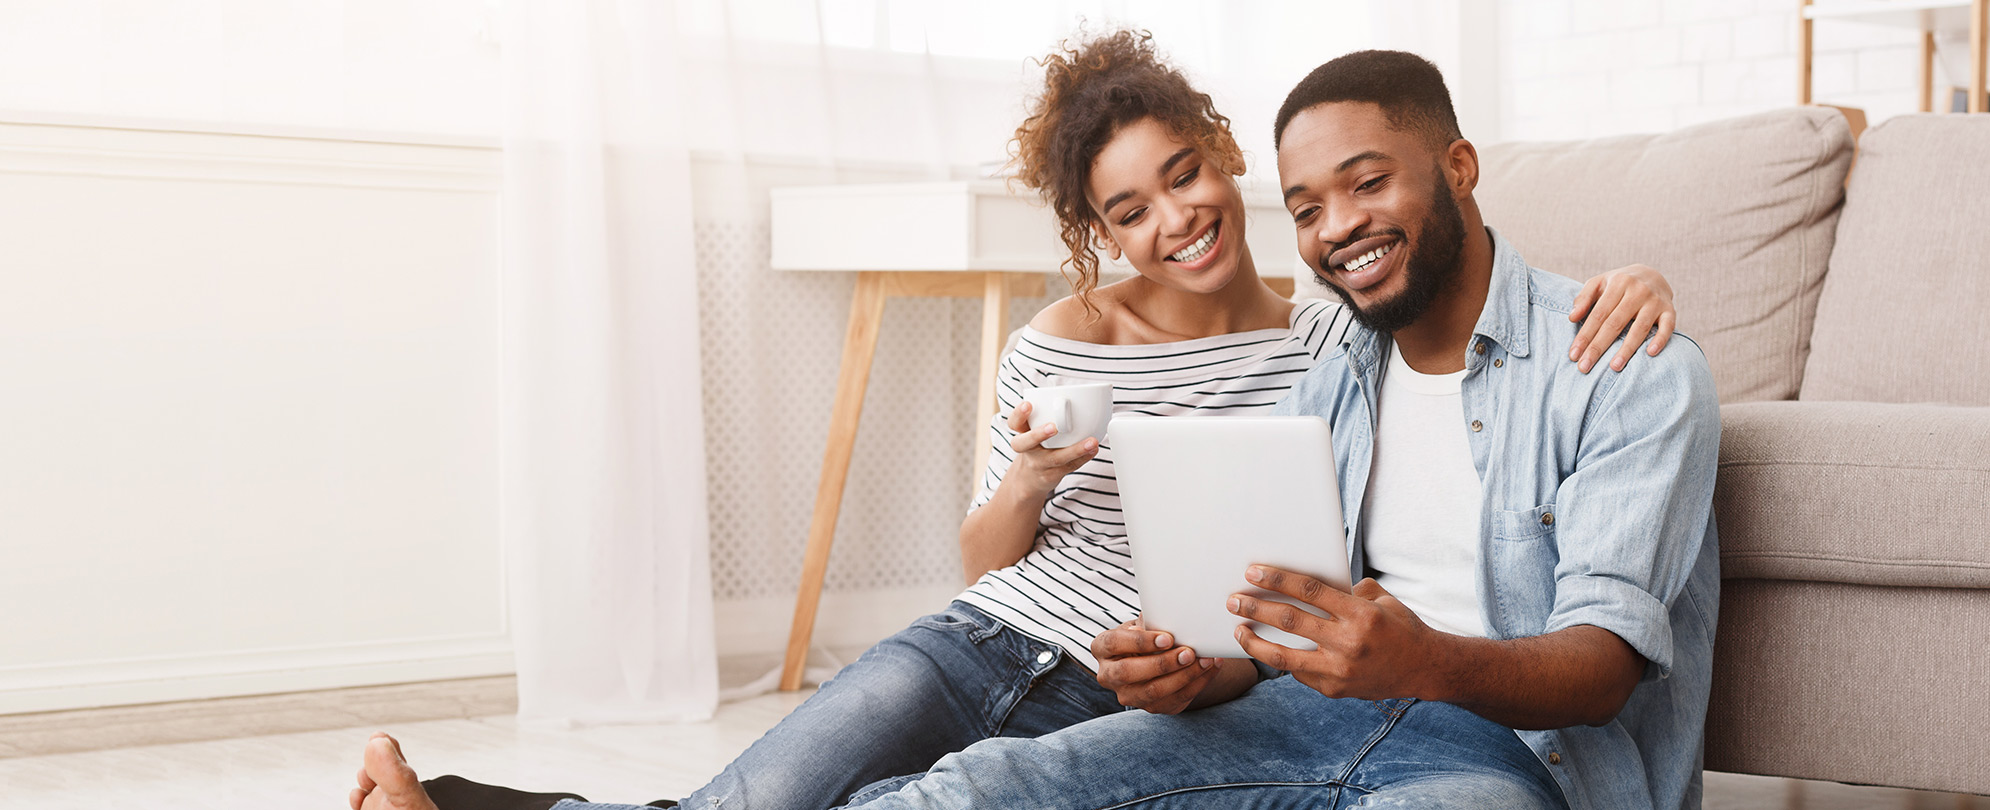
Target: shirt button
{"type": "Point", "coordinates": [1547, 518]}
{"type": "Point", "coordinates": [1481, 348]}
{"type": "Point", "coordinates": [1477, 426]}
{"type": "Point", "coordinates": [1043, 657]}
{"type": "Point", "coordinates": [1496, 363]}
{"type": "Point", "coordinates": [1554, 758]}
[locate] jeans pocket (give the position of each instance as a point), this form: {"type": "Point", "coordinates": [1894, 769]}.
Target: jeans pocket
{"type": "Point", "coordinates": [958, 618]}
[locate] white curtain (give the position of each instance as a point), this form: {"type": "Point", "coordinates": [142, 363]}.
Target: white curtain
{"type": "Point", "coordinates": [610, 104]}
{"type": "Point", "coordinates": [604, 464]}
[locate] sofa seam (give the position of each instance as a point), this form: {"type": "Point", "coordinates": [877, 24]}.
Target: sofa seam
{"type": "Point", "coordinates": [1860, 465]}
{"type": "Point", "coordinates": [1787, 555]}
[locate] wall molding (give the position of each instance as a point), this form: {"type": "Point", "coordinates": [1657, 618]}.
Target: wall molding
{"type": "Point", "coordinates": [80, 684]}
{"type": "Point", "coordinates": [171, 155]}
{"type": "Point", "coordinates": [847, 619]}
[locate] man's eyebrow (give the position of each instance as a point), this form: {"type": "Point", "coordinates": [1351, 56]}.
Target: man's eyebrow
{"type": "Point", "coordinates": [1368, 155]}
{"type": "Point", "coordinates": [1344, 166]}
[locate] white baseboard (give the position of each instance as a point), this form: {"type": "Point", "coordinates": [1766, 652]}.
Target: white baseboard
{"type": "Point", "coordinates": [855, 619]}
{"type": "Point", "coordinates": [74, 685]}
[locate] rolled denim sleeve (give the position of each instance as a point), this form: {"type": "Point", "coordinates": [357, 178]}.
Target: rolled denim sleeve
{"type": "Point", "coordinates": [1631, 520]}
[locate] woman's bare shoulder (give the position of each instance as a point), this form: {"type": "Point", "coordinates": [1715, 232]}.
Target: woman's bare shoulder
{"type": "Point", "coordinates": [1068, 318]}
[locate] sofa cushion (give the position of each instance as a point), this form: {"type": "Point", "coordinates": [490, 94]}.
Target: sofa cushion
{"type": "Point", "coordinates": [1855, 492]}
{"type": "Point", "coordinates": [1852, 683]}
{"type": "Point", "coordinates": [1738, 214]}
{"type": "Point", "coordinates": [1903, 314]}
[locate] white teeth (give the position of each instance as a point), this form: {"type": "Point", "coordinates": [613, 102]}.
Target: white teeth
{"type": "Point", "coordinates": [1357, 263]}
{"type": "Point", "coordinates": [1195, 251]}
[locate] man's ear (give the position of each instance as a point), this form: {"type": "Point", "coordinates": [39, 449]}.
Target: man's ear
{"type": "Point", "coordinates": [1104, 240]}
{"type": "Point", "coordinates": [1461, 168]}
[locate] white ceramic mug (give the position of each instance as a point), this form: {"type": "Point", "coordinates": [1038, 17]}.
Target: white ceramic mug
{"type": "Point", "coordinates": [1079, 411]}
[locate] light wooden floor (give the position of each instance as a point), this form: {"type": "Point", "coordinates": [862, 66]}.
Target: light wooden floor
{"type": "Point", "coordinates": [621, 763]}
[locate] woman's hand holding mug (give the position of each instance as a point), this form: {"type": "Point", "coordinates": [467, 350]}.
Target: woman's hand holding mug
{"type": "Point", "coordinates": [1047, 451]}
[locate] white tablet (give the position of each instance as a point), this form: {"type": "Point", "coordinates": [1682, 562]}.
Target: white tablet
{"type": "Point", "coordinates": [1206, 497]}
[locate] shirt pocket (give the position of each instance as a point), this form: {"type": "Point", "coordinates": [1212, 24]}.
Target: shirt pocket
{"type": "Point", "coordinates": [1522, 569]}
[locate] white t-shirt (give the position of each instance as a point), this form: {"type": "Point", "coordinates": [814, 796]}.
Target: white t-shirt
{"type": "Point", "coordinates": [1420, 521]}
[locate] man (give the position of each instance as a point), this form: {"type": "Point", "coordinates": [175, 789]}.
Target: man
{"type": "Point", "coordinates": [1538, 628]}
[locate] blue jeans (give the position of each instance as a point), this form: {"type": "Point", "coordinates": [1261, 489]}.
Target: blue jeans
{"type": "Point", "coordinates": [946, 682]}
{"type": "Point", "coordinates": [1281, 745]}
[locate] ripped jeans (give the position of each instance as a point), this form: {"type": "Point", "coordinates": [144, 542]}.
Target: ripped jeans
{"type": "Point", "coordinates": [1281, 745]}
{"type": "Point", "coordinates": [949, 680]}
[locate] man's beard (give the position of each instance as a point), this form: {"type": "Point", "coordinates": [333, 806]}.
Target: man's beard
{"type": "Point", "coordinates": [1434, 266]}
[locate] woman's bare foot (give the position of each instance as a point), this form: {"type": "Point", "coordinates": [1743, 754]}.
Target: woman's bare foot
{"type": "Point", "coordinates": [386, 782]}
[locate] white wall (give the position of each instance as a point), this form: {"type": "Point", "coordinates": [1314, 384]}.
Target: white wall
{"type": "Point", "coordinates": [248, 413]}
{"type": "Point", "coordinates": [427, 66]}
{"type": "Point", "coordinates": [1588, 68]}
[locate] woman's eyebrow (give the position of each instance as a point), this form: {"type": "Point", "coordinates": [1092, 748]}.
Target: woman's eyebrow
{"type": "Point", "coordinates": [1166, 166]}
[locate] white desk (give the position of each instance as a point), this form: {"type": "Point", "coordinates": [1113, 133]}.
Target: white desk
{"type": "Point", "coordinates": [929, 240]}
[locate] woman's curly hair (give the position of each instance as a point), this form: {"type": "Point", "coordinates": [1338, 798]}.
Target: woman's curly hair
{"type": "Point", "coordinates": [1092, 87]}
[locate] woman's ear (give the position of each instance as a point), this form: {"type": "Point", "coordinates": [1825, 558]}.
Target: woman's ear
{"type": "Point", "coordinates": [1104, 240]}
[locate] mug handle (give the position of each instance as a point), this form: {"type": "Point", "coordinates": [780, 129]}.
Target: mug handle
{"type": "Point", "coordinates": [1058, 411]}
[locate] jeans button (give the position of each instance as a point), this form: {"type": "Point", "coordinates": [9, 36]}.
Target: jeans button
{"type": "Point", "coordinates": [1043, 657]}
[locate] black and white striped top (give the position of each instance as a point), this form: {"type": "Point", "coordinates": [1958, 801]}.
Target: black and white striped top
{"type": "Point", "coordinates": [1077, 581]}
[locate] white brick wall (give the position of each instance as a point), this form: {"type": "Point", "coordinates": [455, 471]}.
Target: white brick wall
{"type": "Point", "coordinates": [1589, 68]}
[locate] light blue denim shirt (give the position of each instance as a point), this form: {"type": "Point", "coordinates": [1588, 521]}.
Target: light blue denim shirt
{"type": "Point", "coordinates": [1598, 510]}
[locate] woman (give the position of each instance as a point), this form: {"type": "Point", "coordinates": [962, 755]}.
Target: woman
{"type": "Point", "coordinates": [1135, 161]}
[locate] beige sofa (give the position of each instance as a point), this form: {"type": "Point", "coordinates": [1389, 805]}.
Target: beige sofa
{"type": "Point", "coordinates": [1849, 330]}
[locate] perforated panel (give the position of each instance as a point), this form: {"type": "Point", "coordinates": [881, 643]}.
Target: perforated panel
{"type": "Point", "coordinates": [772, 343]}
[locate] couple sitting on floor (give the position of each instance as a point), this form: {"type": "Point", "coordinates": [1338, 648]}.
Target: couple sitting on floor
{"type": "Point", "coordinates": [1532, 625]}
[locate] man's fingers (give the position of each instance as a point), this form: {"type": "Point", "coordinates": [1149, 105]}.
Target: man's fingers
{"type": "Point", "coordinates": [1298, 586]}
{"type": "Point", "coordinates": [1280, 615]}
{"type": "Point", "coordinates": [1274, 655]}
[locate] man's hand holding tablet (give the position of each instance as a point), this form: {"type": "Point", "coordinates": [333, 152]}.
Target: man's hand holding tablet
{"type": "Point", "coordinates": [1370, 646]}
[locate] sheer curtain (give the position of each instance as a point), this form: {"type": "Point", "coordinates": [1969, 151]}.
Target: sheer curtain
{"type": "Point", "coordinates": [640, 140]}
{"type": "Point", "coordinates": [604, 460]}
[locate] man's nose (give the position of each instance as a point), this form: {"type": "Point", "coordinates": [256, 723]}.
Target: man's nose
{"type": "Point", "coordinates": [1343, 223]}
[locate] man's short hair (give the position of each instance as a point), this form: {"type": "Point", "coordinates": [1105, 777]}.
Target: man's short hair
{"type": "Point", "coordinates": [1407, 87]}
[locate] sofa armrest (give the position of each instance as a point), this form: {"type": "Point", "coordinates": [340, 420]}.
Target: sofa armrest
{"type": "Point", "coordinates": [1855, 492]}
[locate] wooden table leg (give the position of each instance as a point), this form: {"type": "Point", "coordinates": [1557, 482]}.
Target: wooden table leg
{"type": "Point", "coordinates": [1804, 43]}
{"type": "Point", "coordinates": [994, 332]}
{"type": "Point", "coordinates": [1928, 71]}
{"type": "Point", "coordinates": [859, 344]}
{"type": "Point", "coordinates": [1979, 42]}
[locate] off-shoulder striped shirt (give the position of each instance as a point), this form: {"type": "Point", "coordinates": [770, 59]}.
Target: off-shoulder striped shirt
{"type": "Point", "coordinates": [1077, 580]}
